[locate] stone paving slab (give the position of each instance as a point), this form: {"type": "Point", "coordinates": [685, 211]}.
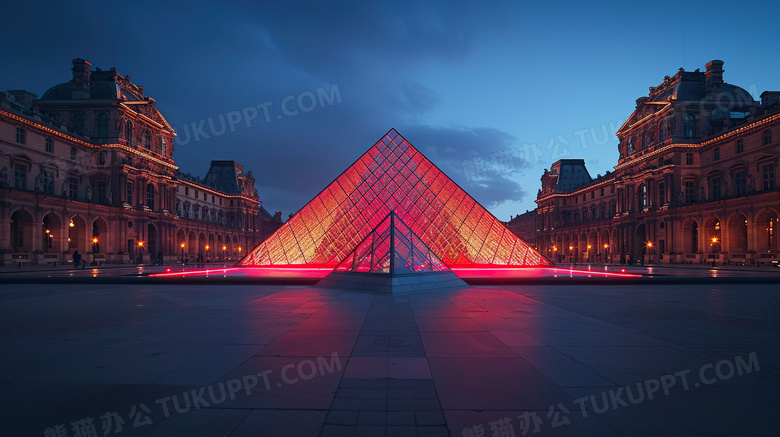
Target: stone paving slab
{"type": "Point", "coordinates": [246, 360]}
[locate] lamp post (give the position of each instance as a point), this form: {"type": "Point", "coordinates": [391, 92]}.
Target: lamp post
{"type": "Point", "coordinates": [650, 251]}
{"type": "Point", "coordinates": [140, 252]}
{"type": "Point", "coordinates": [224, 248]}
{"type": "Point", "coordinates": [588, 254]}
{"type": "Point", "coordinates": [94, 250]}
{"type": "Point", "coordinates": [207, 252]}
{"type": "Point", "coordinates": [182, 253]}
{"type": "Point", "coordinates": [606, 253]}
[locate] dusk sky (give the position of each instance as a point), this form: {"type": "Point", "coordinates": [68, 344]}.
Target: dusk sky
{"type": "Point", "coordinates": [492, 93]}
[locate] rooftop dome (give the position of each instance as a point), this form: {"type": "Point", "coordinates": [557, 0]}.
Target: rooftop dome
{"type": "Point", "coordinates": [102, 85]}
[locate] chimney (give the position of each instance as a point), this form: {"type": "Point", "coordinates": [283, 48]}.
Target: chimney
{"type": "Point", "coordinates": [714, 75]}
{"type": "Point", "coordinates": [81, 79]}
{"type": "Point", "coordinates": [23, 97]}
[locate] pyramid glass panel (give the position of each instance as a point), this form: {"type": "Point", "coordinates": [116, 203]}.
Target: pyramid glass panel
{"type": "Point", "coordinates": [392, 247]}
{"type": "Point", "coordinates": [393, 176]}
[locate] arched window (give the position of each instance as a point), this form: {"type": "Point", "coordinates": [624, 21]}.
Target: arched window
{"type": "Point", "coordinates": [102, 125]}
{"type": "Point", "coordinates": [150, 196]}
{"type": "Point", "coordinates": [643, 197]}
{"type": "Point", "coordinates": [78, 122]}
{"type": "Point", "coordinates": [147, 140]}
{"type": "Point", "coordinates": [689, 126]}
{"type": "Point", "coordinates": [630, 143]}
{"type": "Point", "coordinates": [163, 146]}
{"type": "Point", "coordinates": [129, 132]}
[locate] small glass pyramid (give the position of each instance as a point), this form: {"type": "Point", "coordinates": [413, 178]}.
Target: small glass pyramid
{"type": "Point", "coordinates": [392, 248]}
{"type": "Point", "coordinates": [393, 176]}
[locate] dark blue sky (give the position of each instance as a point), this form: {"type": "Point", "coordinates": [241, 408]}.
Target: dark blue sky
{"type": "Point", "coordinates": [492, 93]}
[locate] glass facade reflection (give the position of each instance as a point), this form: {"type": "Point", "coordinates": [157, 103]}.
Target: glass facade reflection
{"type": "Point", "coordinates": [392, 248]}
{"type": "Point", "coordinates": [393, 176]}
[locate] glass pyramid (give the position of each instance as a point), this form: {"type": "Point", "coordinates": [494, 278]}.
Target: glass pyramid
{"type": "Point", "coordinates": [393, 176]}
{"type": "Point", "coordinates": [392, 248]}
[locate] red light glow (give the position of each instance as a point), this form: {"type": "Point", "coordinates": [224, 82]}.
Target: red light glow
{"type": "Point", "coordinates": [393, 176]}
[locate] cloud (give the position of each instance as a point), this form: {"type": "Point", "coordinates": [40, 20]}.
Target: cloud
{"type": "Point", "coordinates": [453, 150]}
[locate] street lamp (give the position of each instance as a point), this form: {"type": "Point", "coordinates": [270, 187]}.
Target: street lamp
{"type": "Point", "coordinates": [140, 252]}
{"type": "Point", "coordinates": [182, 253]}
{"type": "Point", "coordinates": [207, 252]}
{"type": "Point", "coordinates": [223, 253]}
{"type": "Point", "coordinates": [94, 250]}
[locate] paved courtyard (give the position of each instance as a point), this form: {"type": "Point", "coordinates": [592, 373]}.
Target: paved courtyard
{"type": "Point", "coordinates": [248, 360]}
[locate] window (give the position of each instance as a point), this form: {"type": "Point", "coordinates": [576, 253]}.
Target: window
{"type": "Point", "coordinates": [740, 145]}
{"type": "Point", "coordinates": [583, 197]}
{"type": "Point", "coordinates": [150, 196]}
{"type": "Point", "coordinates": [186, 191]}
{"type": "Point", "coordinates": [163, 146]}
{"type": "Point", "coordinates": [49, 145]}
{"type": "Point", "coordinates": [48, 182]}
{"type": "Point", "coordinates": [78, 122]}
{"type": "Point", "coordinates": [129, 192]}
{"type": "Point", "coordinates": [612, 189]}
{"type": "Point", "coordinates": [716, 154]}
{"type": "Point", "coordinates": [662, 131]}
{"type": "Point", "coordinates": [196, 194]}
{"type": "Point", "coordinates": [740, 182]}
{"type": "Point", "coordinates": [689, 126]}
{"type": "Point", "coordinates": [20, 176]}
{"type": "Point", "coordinates": [690, 194]}
{"type": "Point", "coordinates": [613, 208]}
{"type": "Point", "coordinates": [630, 144]}
{"type": "Point", "coordinates": [689, 159]}
{"type": "Point", "coordinates": [592, 194]}
{"type": "Point", "coordinates": [102, 125]}
{"type": "Point", "coordinates": [643, 197]}
{"type": "Point", "coordinates": [662, 193]}
{"type": "Point", "coordinates": [715, 187]}
{"type": "Point", "coordinates": [102, 158]}
{"type": "Point", "coordinates": [73, 187]}
{"type": "Point", "coordinates": [602, 191]}
{"type": "Point", "coordinates": [102, 191]}
{"type": "Point", "coordinates": [129, 132]}
{"type": "Point", "coordinates": [21, 135]}
{"type": "Point", "coordinates": [644, 140]}
{"type": "Point", "coordinates": [72, 153]}
{"type": "Point", "coordinates": [768, 176]}
{"type": "Point", "coordinates": [212, 198]}
{"type": "Point", "coordinates": [767, 136]}
{"type": "Point", "coordinates": [147, 140]}
{"type": "Point", "coordinates": [187, 207]}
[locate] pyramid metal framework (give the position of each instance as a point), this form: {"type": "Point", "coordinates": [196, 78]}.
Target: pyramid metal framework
{"type": "Point", "coordinates": [392, 248]}
{"type": "Point", "coordinates": [394, 176]}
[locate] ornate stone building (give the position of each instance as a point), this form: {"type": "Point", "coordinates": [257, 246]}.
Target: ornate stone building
{"type": "Point", "coordinates": [696, 182]}
{"type": "Point", "coordinates": [89, 166]}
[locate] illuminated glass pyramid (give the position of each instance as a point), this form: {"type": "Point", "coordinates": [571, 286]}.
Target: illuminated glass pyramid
{"type": "Point", "coordinates": [392, 248]}
{"type": "Point", "coordinates": [392, 176]}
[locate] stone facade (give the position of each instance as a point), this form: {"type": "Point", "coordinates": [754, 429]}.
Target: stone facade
{"type": "Point", "coordinates": [696, 182]}
{"type": "Point", "coordinates": [89, 167]}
